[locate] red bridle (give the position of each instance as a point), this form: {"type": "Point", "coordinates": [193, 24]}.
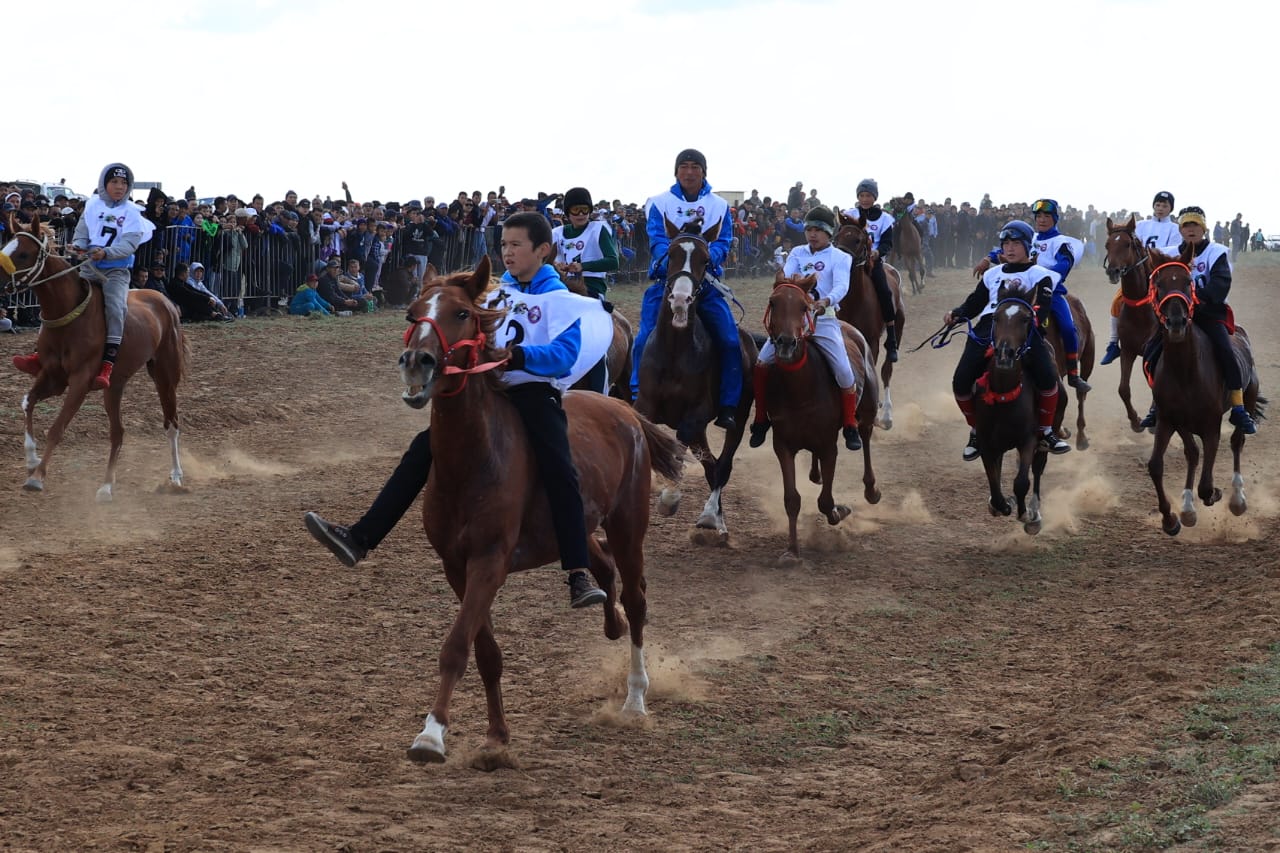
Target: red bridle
{"type": "Point", "coordinates": [805, 333]}
{"type": "Point", "coordinates": [1190, 300]}
{"type": "Point", "coordinates": [475, 344]}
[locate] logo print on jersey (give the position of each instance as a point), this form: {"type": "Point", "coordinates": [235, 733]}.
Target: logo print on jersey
{"type": "Point", "coordinates": [519, 308]}
{"type": "Point", "coordinates": [820, 266]}
{"type": "Point", "coordinates": [535, 314]}
{"type": "Point", "coordinates": [579, 245]}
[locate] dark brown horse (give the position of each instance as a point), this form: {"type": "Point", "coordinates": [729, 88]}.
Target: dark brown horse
{"type": "Point", "coordinates": [860, 308]}
{"type": "Point", "coordinates": [1127, 264]}
{"type": "Point", "coordinates": [1088, 345]}
{"type": "Point", "coordinates": [72, 335]}
{"type": "Point", "coordinates": [1005, 416]}
{"type": "Point", "coordinates": [486, 514]}
{"type": "Point", "coordinates": [680, 377]}
{"type": "Point", "coordinates": [804, 403]}
{"type": "Point", "coordinates": [908, 252]}
{"type": "Point", "coordinates": [1189, 394]}
{"type": "Point", "coordinates": [619, 358]}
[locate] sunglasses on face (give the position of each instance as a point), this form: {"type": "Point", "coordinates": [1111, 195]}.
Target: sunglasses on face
{"type": "Point", "coordinates": [579, 211]}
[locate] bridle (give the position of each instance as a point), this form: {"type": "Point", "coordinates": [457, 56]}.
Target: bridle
{"type": "Point", "coordinates": [475, 345]}
{"type": "Point", "coordinates": [1114, 275]}
{"type": "Point", "coordinates": [1031, 326]}
{"type": "Point", "coordinates": [810, 324]}
{"type": "Point", "coordinates": [673, 275]}
{"type": "Point", "coordinates": [23, 280]}
{"type": "Point", "coordinates": [1191, 300]}
{"type": "Point", "coordinates": [864, 243]}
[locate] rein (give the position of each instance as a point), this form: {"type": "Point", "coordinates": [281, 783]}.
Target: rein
{"type": "Point", "coordinates": [475, 345]}
{"type": "Point", "coordinates": [1191, 300]}
{"type": "Point", "coordinates": [805, 334]}
{"type": "Point", "coordinates": [1115, 275]}
{"type": "Point", "coordinates": [19, 286]}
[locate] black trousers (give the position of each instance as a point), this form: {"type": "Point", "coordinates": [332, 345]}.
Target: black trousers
{"type": "Point", "coordinates": [1222, 351]}
{"type": "Point", "coordinates": [881, 283]}
{"type": "Point", "coordinates": [548, 429]}
{"type": "Point", "coordinates": [973, 362]}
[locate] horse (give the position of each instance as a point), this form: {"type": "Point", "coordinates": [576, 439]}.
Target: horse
{"type": "Point", "coordinates": [804, 403]}
{"type": "Point", "coordinates": [485, 513]}
{"type": "Point", "coordinates": [680, 377]}
{"type": "Point", "coordinates": [908, 251]}
{"type": "Point", "coordinates": [1125, 259]}
{"type": "Point", "coordinates": [1084, 331]}
{"type": "Point", "coordinates": [618, 361]}
{"type": "Point", "coordinates": [72, 336]}
{"type": "Point", "coordinates": [1188, 390]}
{"type": "Point", "coordinates": [860, 307]}
{"type": "Point", "coordinates": [1005, 416]}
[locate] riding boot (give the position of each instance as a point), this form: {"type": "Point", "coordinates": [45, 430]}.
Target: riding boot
{"type": "Point", "coordinates": [1240, 417]}
{"type": "Point", "coordinates": [1113, 345]}
{"type": "Point", "coordinates": [970, 451]}
{"type": "Point", "coordinates": [1048, 409]}
{"type": "Point", "coordinates": [760, 424]}
{"type": "Point", "coordinates": [28, 363]}
{"type": "Point", "coordinates": [102, 381]}
{"type": "Point", "coordinates": [1073, 373]}
{"type": "Point", "coordinates": [849, 403]}
{"type": "Point", "coordinates": [891, 342]}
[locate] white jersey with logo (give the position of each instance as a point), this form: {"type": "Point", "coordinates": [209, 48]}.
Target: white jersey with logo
{"type": "Point", "coordinates": [710, 208]}
{"type": "Point", "coordinates": [875, 227]}
{"type": "Point", "coordinates": [537, 319]}
{"type": "Point", "coordinates": [1024, 282]}
{"type": "Point", "coordinates": [1155, 233]}
{"type": "Point", "coordinates": [1047, 247]}
{"type": "Point", "coordinates": [1203, 262]}
{"type": "Point", "coordinates": [581, 249]}
{"type": "Point", "coordinates": [832, 267]}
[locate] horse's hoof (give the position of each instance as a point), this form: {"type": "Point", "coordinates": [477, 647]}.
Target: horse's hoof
{"type": "Point", "coordinates": [1082, 443]}
{"type": "Point", "coordinates": [788, 559]}
{"type": "Point", "coordinates": [169, 487]}
{"type": "Point", "coordinates": [871, 495]}
{"type": "Point", "coordinates": [1213, 498]}
{"type": "Point", "coordinates": [1135, 425]}
{"type": "Point", "coordinates": [426, 751]}
{"type": "Point", "coordinates": [491, 758]}
{"type": "Point", "coordinates": [1174, 529]}
{"type": "Point", "coordinates": [1032, 526]}
{"type": "Point", "coordinates": [667, 504]}
{"type": "Point", "coordinates": [104, 495]}
{"type": "Point", "coordinates": [1186, 519]}
{"type": "Point", "coordinates": [838, 514]}
{"type": "Point", "coordinates": [999, 509]}
{"type": "Point", "coordinates": [815, 477]}
{"type": "Point", "coordinates": [33, 485]}
{"type": "Point", "coordinates": [1064, 433]}
{"type": "Point", "coordinates": [709, 537]}
{"type": "Point", "coordinates": [1238, 507]}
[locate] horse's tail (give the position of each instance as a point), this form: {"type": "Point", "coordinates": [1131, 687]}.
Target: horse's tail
{"type": "Point", "coordinates": [666, 455]}
{"type": "Point", "coordinates": [1260, 408]}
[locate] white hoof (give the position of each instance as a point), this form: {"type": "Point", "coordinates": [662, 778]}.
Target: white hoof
{"type": "Point", "coordinates": [33, 485]}
{"type": "Point", "coordinates": [668, 502]}
{"type": "Point", "coordinates": [428, 746]}
{"type": "Point", "coordinates": [104, 493]}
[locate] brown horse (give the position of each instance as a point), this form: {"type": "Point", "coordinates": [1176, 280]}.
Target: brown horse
{"type": "Point", "coordinates": [804, 403]}
{"type": "Point", "coordinates": [484, 511]}
{"type": "Point", "coordinates": [860, 307]}
{"type": "Point", "coordinates": [1126, 260]}
{"type": "Point", "coordinates": [72, 335]}
{"type": "Point", "coordinates": [618, 360]}
{"type": "Point", "coordinates": [1005, 416]}
{"type": "Point", "coordinates": [1189, 394]}
{"type": "Point", "coordinates": [908, 252]}
{"type": "Point", "coordinates": [680, 379]}
{"type": "Point", "coordinates": [1088, 344]}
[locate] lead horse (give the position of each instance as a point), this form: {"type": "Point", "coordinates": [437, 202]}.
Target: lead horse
{"type": "Point", "coordinates": [1189, 393]}
{"type": "Point", "coordinates": [72, 334]}
{"type": "Point", "coordinates": [680, 382]}
{"type": "Point", "coordinates": [486, 514]}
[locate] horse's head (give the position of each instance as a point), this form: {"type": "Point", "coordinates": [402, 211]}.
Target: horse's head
{"type": "Point", "coordinates": [448, 331]}
{"type": "Point", "coordinates": [1011, 328]}
{"type": "Point", "coordinates": [23, 255]}
{"type": "Point", "coordinates": [1174, 293]}
{"type": "Point", "coordinates": [688, 256]}
{"type": "Point", "coordinates": [789, 319]}
{"type": "Point", "coordinates": [1124, 250]}
{"type": "Point", "coordinates": [852, 237]}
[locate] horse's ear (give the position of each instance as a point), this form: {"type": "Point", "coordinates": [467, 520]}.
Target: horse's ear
{"type": "Point", "coordinates": [35, 224]}
{"type": "Point", "coordinates": [1133, 222]}
{"type": "Point", "coordinates": [427, 278]}
{"type": "Point", "coordinates": [1188, 252]}
{"type": "Point", "coordinates": [1110, 224]}
{"type": "Point", "coordinates": [710, 234]}
{"type": "Point", "coordinates": [478, 283]}
{"type": "Point", "coordinates": [672, 230]}
{"type": "Point", "coordinates": [1158, 258]}
{"type": "Point", "coordinates": [841, 219]}
{"type": "Point", "coordinates": [779, 278]}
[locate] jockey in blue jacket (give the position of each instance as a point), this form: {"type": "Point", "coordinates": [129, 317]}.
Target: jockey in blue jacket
{"type": "Point", "coordinates": [689, 198]}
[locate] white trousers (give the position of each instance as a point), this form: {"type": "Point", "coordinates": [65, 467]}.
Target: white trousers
{"type": "Point", "coordinates": [829, 340]}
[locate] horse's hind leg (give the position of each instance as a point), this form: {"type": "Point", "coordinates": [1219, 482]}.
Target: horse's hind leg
{"type": "Point", "coordinates": [600, 561]}
{"type": "Point", "coordinates": [1082, 440]}
{"type": "Point", "coordinates": [884, 417]}
{"type": "Point", "coordinates": [489, 664]}
{"type": "Point", "coordinates": [1237, 504]}
{"type": "Point", "coordinates": [835, 513]}
{"type": "Point", "coordinates": [710, 528]}
{"type": "Point", "coordinates": [167, 389]}
{"type": "Point", "coordinates": [111, 402]}
{"type": "Point", "coordinates": [626, 541]}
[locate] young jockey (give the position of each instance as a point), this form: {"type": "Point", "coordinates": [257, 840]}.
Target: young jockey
{"type": "Point", "coordinates": [541, 367]}
{"type": "Point", "coordinates": [1020, 273]}
{"type": "Point", "coordinates": [585, 247]}
{"type": "Point", "coordinates": [1057, 253]}
{"type": "Point", "coordinates": [880, 229]}
{"type": "Point", "coordinates": [832, 267]}
{"type": "Point", "coordinates": [1160, 230]}
{"type": "Point", "coordinates": [690, 198]}
{"type": "Point", "coordinates": [1211, 272]}
{"type": "Point", "coordinates": [110, 231]}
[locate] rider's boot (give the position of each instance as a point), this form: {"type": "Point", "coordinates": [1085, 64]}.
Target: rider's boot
{"type": "Point", "coordinates": [760, 425]}
{"type": "Point", "coordinates": [28, 363]}
{"type": "Point", "coordinates": [849, 402]}
{"type": "Point", "coordinates": [1073, 374]}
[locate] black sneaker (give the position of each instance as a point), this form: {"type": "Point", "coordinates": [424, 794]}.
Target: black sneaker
{"type": "Point", "coordinates": [1049, 441]}
{"type": "Point", "coordinates": [726, 419]}
{"type": "Point", "coordinates": [970, 451]}
{"type": "Point", "coordinates": [1149, 422]}
{"type": "Point", "coordinates": [758, 432]}
{"type": "Point", "coordinates": [852, 439]}
{"type": "Point", "coordinates": [583, 591]}
{"type": "Point", "coordinates": [1074, 380]}
{"type": "Point", "coordinates": [336, 538]}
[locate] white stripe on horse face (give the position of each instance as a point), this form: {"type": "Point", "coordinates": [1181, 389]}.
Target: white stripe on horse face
{"type": "Point", "coordinates": [687, 245]}
{"type": "Point", "coordinates": [424, 329]}
{"type": "Point", "coordinates": [10, 247]}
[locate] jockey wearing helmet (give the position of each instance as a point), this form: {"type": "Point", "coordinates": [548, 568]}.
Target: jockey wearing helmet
{"type": "Point", "coordinates": [1036, 284]}
{"type": "Point", "coordinates": [690, 198]}
{"type": "Point", "coordinates": [879, 225]}
{"type": "Point", "coordinates": [832, 267]}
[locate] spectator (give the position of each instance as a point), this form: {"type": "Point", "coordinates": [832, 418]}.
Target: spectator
{"type": "Point", "coordinates": [330, 292]}
{"type": "Point", "coordinates": [306, 300]}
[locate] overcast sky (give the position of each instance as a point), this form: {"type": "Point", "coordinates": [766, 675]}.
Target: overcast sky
{"type": "Point", "coordinates": [1101, 101]}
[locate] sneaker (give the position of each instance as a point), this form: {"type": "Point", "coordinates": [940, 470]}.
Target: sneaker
{"type": "Point", "coordinates": [726, 419]}
{"type": "Point", "coordinates": [1074, 380]}
{"type": "Point", "coordinates": [583, 591]}
{"type": "Point", "coordinates": [758, 432]}
{"type": "Point", "coordinates": [1149, 422]}
{"type": "Point", "coordinates": [28, 363]}
{"type": "Point", "coordinates": [852, 439]}
{"type": "Point", "coordinates": [1242, 420]}
{"type": "Point", "coordinates": [336, 538]}
{"type": "Point", "coordinates": [1112, 353]}
{"type": "Point", "coordinates": [1049, 441]}
{"type": "Point", "coordinates": [970, 451]}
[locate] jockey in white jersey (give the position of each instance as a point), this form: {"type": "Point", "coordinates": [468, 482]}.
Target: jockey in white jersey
{"type": "Point", "coordinates": [1036, 284]}
{"type": "Point", "coordinates": [879, 226]}
{"type": "Point", "coordinates": [1160, 230]}
{"type": "Point", "coordinates": [585, 248]}
{"type": "Point", "coordinates": [833, 268]}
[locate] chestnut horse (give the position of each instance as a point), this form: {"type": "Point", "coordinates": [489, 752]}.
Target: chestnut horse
{"type": "Point", "coordinates": [483, 509]}
{"type": "Point", "coordinates": [680, 376]}
{"type": "Point", "coordinates": [618, 361]}
{"type": "Point", "coordinates": [804, 403]}
{"type": "Point", "coordinates": [72, 335]}
{"type": "Point", "coordinates": [1189, 394]}
{"type": "Point", "coordinates": [1005, 416]}
{"type": "Point", "coordinates": [1125, 262]}
{"type": "Point", "coordinates": [1088, 344]}
{"type": "Point", "coordinates": [860, 307]}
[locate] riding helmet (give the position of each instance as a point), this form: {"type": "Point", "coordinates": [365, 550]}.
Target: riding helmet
{"type": "Point", "coordinates": [577, 197]}
{"type": "Point", "coordinates": [1046, 205]}
{"type": "Point", "coordinates": [691, 155]}
{"type": "Point", "coordinates": [1018, 230]}
{"type": "Point", "coordinates": [821, 218]}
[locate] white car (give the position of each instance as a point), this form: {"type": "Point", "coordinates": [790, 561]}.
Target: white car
{"type": "Point", "coordinates": [1271, 242]}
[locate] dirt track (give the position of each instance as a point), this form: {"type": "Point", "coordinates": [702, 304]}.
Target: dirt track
{"type": "Point", "coordinates": [194, 672]}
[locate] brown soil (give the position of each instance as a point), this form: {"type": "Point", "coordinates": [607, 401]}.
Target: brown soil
{"type": "Point", "coordinates": [183, 672]}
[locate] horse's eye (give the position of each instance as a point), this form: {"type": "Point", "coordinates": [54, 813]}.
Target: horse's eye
{"type": "Point", "coordinates": [409, 318]}
{"type": "Point", "coordinates": [463, 314]}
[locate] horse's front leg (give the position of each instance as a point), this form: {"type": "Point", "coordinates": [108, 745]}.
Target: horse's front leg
{"type": "Point", "coordinates": [993, 462]}
{"type": "Point", "coordinates": [1190, 452]}
{"type": "Point", "coordinates": [476, 585]}
{"type": "Point", "coordinates": [77, 390]}
{"type": "Point", "coordinates": [835, 513]}
{"type": "Point", "coordinates": [1155, 467]}
{"type": "Point", "coordinates": [790, 499]}
{"type": "Point", "coordinates": [1028, 511]}
{"type": "Point", "coordinates": [43, 388]}
{"type": "Point", "coordinates": [1237, 504]}
{"type": "Point", "coordinates": [1208, 494]}
{"type": "Point", "coordinates": [1082, 440]}
{"type": "Point", "coordinates": [710, 528]}
{"type": "Point", "coordinates": [1126, 392]}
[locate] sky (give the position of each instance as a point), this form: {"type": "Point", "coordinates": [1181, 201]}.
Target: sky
{"type": "Point", "coordinates": [1100, 102]}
